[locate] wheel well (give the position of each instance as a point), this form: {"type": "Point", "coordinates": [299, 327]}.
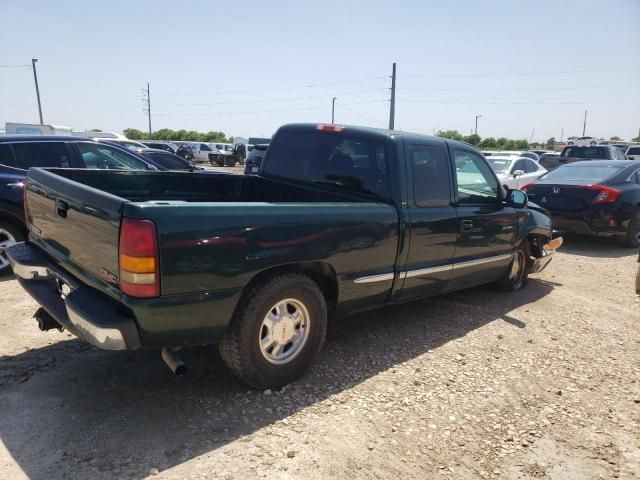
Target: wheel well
{"type": "Point", "coordinates": [321, 273]}
{"type": "Point", "coordinates": [14, 221]}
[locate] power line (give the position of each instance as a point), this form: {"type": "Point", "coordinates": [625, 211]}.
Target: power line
{"type": "Point", "coordinates": [518, 103]}
{"type": "Point", "coordinates": [360, 114]}
{"type": "Point", "coordinates": [502, 89]}
{"type": "Point", "coordinates": [516, 74]}
{"type": "Point", "coordinates": [15, 66]}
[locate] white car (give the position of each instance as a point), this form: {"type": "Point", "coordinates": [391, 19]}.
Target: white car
{"type": "Point", "coordinates": [515, 172]}
{"type": "Point", "coordinates": [633, 152]}
{"type": "Point", "coordinates": [583, 141]}
{"type": "Point", "coordinates": [201, 150]}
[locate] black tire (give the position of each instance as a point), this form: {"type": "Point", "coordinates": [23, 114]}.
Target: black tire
{"type": "Point", "coordinates": [240, 346]}
{"type": "Point", "coordinates": [8, 233]}
{"type": "Point", "coordinates": [632, 238]}
{"type": "Point", "coordinates": [516, 277]}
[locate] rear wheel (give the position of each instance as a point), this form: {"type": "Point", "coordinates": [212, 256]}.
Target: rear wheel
{"type": "Point", "coordinates": [517, 274]}
{"type": "Point", "coordinates": [277, 332]}
{"type": "Point", "coordinates": [9, 235]}
{"type": "Point", "coordinates": [632, 239]}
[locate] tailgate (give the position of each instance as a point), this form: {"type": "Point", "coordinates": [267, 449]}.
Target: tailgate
{"type": "Point", "coordinates": [77, 225]}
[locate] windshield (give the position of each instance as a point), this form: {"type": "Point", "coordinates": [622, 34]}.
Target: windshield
{"type": "Point", "coordinates": [97, 155]}
{"type": "Point", "coordinates": [587, 173]}
{"type": "Point", "coordinates": [499, 165]}
{"type": "Point", "coordinates": [134, 146]}
{"type": "Point", "coordinates": [586, 152]}
{"type": "Point", "coordinates": [334, 159]}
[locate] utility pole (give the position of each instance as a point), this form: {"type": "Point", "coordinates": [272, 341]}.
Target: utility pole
{"type": "Point", "coordinates": [333, 110]}
{"type": "Point", "coordinates": [35, 78]}
{"type": "Point", "coordinates": [531, 139]}
{"type": "Point", "coordinates": [146, 105]}
{"type": "Point", "coordinates": [477, 117]}
{"type": "Point", "coordinates": [561, 134]}
{"type": "Point", "coordinates": [584, 125]}
{"type": "Point", "coordinates": [392, 109]}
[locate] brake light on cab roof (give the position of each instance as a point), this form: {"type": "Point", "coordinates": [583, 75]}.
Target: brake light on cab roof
{"type": "Point", "coordinates": [323, 127]}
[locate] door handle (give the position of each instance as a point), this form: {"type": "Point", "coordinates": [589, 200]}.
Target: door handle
{"type": "Point", "coordinates": [466, 225]}
{"type": "Point", "coordinates": [61, 208]}
{"type": "Point", "coordinates": [15, 185]}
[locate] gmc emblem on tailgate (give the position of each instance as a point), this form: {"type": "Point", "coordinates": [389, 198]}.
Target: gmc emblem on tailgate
{"type": "Point", "coordinates": [108, 276]}
{"type": "Point", "coordinates": [556, 190]}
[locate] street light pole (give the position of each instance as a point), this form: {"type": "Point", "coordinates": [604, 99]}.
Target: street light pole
{"type": "Point", "coordinates": [35, 77]}
{"type": "Point", "coordinates": [584, 125]}
{"type": "Point", "coordinates": [477, 117]}
{"type": "Point", "coordinates": [333, 109]}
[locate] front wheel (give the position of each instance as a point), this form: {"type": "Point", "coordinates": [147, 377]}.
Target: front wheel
{"type": "Point", "coordinates": [517, 274]}
{"type": "Point", "coordinates": [277, 331]}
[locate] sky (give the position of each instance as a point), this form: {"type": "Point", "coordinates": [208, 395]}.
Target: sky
{"type": "Point", "coordinates": [530, 69]}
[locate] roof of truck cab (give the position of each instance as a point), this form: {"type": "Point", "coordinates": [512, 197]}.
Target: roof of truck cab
{"type": "Point", "coordinates": [378, 131]}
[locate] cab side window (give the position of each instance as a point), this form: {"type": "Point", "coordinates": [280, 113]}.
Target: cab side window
{"type": "Point", "coordinates": [41, 154]}
{"type": "Point", "coordinates": [204, 148]}
{"type": "Point", "coordinates": [431, 176]}
{"type": "Point", "coordinates": [519, 165]}
{"type": "Point", "coordinates": [476, 183]}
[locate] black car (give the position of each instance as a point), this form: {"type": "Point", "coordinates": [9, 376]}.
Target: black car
{"type": "Point", "coordinates": [165, 160]}
{"type": "Point", "coordinates": [550, 160]}
{"type": "Point", "coordinates": [252, 164]}
{"type": "Point", "coordinates": [597, 197]}
{"type": "Point", "coordinates": [166, 146]}
{"type": "Point", "coordinates": [20, 152]}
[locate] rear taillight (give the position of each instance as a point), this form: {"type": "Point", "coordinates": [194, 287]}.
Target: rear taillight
{"type": "Point", "coordinates": [527, 186]}
{"type": "Point", "coordinates": [605, 194]}
{"type": "Point", "coordinates": [138, 259]}
{"type": "Point", "coordinates": [329, 128]}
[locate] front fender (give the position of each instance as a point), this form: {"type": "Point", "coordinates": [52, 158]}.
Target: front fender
{"type": "Point", "coordinates": [535, 220]}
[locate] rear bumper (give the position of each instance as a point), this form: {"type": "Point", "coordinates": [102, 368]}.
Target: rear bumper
{"type": "Point", "coordinates": [592, 223]}
{"type": "Point", "coordinates": [87, 314]}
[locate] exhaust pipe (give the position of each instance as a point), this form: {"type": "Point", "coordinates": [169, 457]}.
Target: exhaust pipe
{"type": "Point", "coordinates": [46, 321]}
{"type": "Point", "coordinates": [173, 361]}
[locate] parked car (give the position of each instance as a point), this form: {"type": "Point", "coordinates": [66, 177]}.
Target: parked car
{"type": "Point", "coordinates": [549, 160]}
{"type": "Point", "coordinates": [595, 152]}
{"type": "Point", "coordinates": [258, 263]}
{"type": "Point", "coordinates": [165, 160]}
{"type": "Point", "coordinates": [512, 153]}
{"type": "Point", "coordinates": [167, 146]}
{"type": "Point", "coordinates": [128, 144]}
{"type": "Point", "coordinates": [583, 141]}
{"type": "Point", "coordinates": [223, 155]}
{"type": "Point", "coordinates": [541, 152]}
{"type": "Point", "coordinates": [252, 164]}
{"type": "Point", "coordinates": [20, 152]}
{"type": "Point", "coordinates": [515, 171]}
{"type": "Point", "coordinates": [633, 152]}
{"type": "Point", "coordinates": [597, 197]}
{"type": "Point", "coordinates": [185, 152]}
{"type": "Point", "coordinates": [200, 151]}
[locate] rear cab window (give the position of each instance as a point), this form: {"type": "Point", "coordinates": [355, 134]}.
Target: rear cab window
{"type": "Point", "coordinates": [597, 152]}
{"type": "Point", "coordinates": [431, 174]}
{"type": "Point", "coordinates": [334, 159]}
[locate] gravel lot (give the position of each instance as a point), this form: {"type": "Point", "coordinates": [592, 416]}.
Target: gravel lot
{"type": "Point", "coordinates": [541, 384]}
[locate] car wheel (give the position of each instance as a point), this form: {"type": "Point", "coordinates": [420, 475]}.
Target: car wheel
{"type": "Point", "coordinates": [517, 274]}
{"type": "Point", "coordinates": [632, 239]}
{"type": "Point", "coordinates": [592, 143]}
{"type": "Point", "coordinates": [9, 235]}
{"type": "Point", "coordinates": [277, 331]}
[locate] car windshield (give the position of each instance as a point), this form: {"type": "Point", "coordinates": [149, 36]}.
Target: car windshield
{"type": "Point", "coordinates": [134, 146]}
{"type": "Point", "coordinates": [586, 152]}
{"type": "Point", "coordinates": [499, 165]}
{"type": "Point", "coordinates": [588, 173]}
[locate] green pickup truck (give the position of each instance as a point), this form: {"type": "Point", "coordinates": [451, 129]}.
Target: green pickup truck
{"type": "Point", "coordinates": [339, 220]}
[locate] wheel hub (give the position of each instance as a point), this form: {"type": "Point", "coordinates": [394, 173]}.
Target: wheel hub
{"type": "Point", "coordinates": [284, 331]}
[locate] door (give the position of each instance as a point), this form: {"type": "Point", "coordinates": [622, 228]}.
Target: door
{"type": "Point", "coordinates": [486, 228]}
{"type": "Point", "coordinates": [433, 222]}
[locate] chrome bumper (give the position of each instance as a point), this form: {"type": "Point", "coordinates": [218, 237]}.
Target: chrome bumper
{"type": "Point", "coordinates": [83, 311]}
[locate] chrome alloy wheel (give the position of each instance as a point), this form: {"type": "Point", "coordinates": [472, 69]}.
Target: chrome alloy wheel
{"type": "Point", "coordinates": [284, 331]}
{"type": "Point", "coordinates": [6, 240]}
{"type": "Point", "coordinates": [518, 267]}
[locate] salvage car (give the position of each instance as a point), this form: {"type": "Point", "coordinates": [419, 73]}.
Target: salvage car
{"type": "Point", "coordinates": [597, 197]}
{"type": "Point", "coordinates": [339, 220]}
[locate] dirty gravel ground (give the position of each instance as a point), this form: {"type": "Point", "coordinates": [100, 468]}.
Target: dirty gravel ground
{"type": "Point", "coordinates": [541, 384]}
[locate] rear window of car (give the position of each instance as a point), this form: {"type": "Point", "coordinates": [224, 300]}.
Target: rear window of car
{"type": "Point", "coordinates": [168, 161]}
{"type": "Point", "coordinates": [96, 155]}
{"type": "Point", "coordinates": [333, 159]}
{"type": "Point", "coordinates": [582, 172]}
{"type": "Point", "coordinates": [499, 165]}
{"type": "Point", "coordinates": [587, 152]}
{"type": "Point", "coordinates": [41, 154]}
{"type": "Point", "coordinates": [633, 151]}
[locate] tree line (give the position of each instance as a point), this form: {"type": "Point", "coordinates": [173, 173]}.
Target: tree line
{"type": "Point", "coordinates": [181, 135]}
{"type": "Point", "coordinates": [488, 143]}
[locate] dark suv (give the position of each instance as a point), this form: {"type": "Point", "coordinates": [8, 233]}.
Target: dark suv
{"type": "Point", "coordinates": [19, 153]}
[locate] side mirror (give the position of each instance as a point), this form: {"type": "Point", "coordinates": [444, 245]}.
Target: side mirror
{"type": "Point", "coordinates": [518, 173]}
{"type": "Point", "coordinates": [517, 198]}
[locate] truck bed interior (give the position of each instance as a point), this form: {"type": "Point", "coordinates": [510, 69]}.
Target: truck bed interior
{"type": "Point", "coordinates": [140, 186]}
